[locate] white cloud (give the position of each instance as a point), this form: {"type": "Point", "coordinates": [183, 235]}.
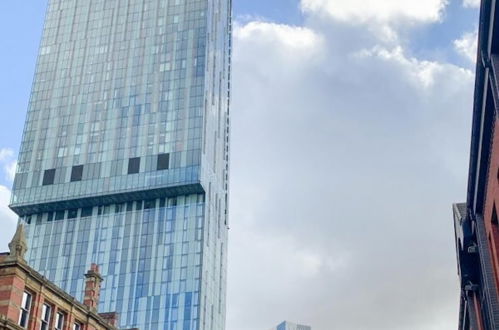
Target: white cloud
{"type": "Point", "coordinates": [302, 43]}
{"type": "Point", "coordinates": [346, 157]}
{"type": "Point", "coordinates": [421, 73]}
{"type": "Point", "coordinates": [383, 19]}
{"type": "Point", "coordinates": [10, 169]}
{"type": "Point", "coordinates": [6, 154]}
{"type": "Point", "coordinates": [291, 37]}
{"type": "Point", "coordinates": [467, 45]}
{"type": "Point", "coordinates": [8, 163]}
{"type": "Point", "coordinates": [8, 219]}
{"type": "Point", "coordinates": [378, 11]}
{"type": "Point", "coordinates": [471, 3]}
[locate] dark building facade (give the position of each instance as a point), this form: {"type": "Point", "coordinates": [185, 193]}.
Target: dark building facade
{"type": "Point", "coordinates": [476, 223]}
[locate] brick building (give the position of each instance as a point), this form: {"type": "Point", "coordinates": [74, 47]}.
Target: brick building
{"type": "Point", "coordinates": [29, 301]}
{"type": "Point", "coordinates": [476, 222]}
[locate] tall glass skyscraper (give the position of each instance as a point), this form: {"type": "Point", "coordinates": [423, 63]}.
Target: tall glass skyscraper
{"type": "Point", "coordinates": [124, 158]}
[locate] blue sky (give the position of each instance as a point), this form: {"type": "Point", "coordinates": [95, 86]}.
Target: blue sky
{"type": "Point", "coordinates": [350, 138]}
{"type": "Point", "coordinates": [284, 11]}
{"type": "Point", "coordinates": [20, 32]}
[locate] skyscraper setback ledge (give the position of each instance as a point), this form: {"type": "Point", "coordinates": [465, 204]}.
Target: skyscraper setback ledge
{"type": "Point", "coordinates": [117, 198]}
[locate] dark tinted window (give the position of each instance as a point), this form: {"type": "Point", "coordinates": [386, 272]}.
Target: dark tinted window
{"type": "Point", "coordinates": [48, 177]}
{"type": "Point", "coordinates": [72, 213]}
{"type": "Point", "coordinates": [77, 173]}
{"type": "Point", "coordinates": [59, 215]}
{"type": "Point", "coordinates": [133, 165]}
{"type": "Point", "coordinates": [150, 204]}
{"type": "Point", "coordinates": [50, 216]}
{"type": "Point", "coordinates": [86, 212]}
{"type": "Point", "coordinates": [163, 161]}
{"type": "Point", "coordinates": [118, 208]}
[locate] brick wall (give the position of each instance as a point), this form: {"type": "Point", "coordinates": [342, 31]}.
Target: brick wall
{"type": "Point", "coordinates": [16, 278]}
{"type": "Point", "coordinates": [492, 201]}
{"type": "Point", "coordinates": [11, 292]}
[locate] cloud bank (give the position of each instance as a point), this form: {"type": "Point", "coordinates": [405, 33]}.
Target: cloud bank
{"type": "Point", "coordinates": [347, 153]}
{"type": "Point", "coordinates": [384, 18]}
{"type": "Point", "coordinates": [386, 11]}
{"type": "Point", "coordinates": [467, 45]}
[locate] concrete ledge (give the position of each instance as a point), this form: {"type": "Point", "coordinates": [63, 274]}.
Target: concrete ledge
{"type": "Point", "coordinates": [27, 209]}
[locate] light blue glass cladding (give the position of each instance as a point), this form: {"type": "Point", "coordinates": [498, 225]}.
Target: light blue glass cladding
{"type": "Point", "coordinates": [127, 129]}
{"type": "Point", "coordinates": [150, 254]}
{"type": "Point", "coordinates": [291, 326]}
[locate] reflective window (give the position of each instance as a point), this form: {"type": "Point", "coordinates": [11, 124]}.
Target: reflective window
{"type": "Point", "coordinates": [59, 321]}
{"type": "Point", "coordinates": [25, 309]}
{"type": "Point", "coordinates": [46, 313]}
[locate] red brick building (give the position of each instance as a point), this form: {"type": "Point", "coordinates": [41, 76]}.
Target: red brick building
{"type": "Point", "coordinates": [30, 301]}
{"type": "Point", "coordinates": [476, 222]}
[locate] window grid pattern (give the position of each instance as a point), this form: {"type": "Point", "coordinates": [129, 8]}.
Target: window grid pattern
{"type": "Point", "coordinates": [117, 80]}
{"type": "Point", "coordinates": [150, 256]}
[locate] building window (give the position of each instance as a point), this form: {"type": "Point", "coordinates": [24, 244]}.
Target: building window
{"type": "Point", "coordinates": [86, 212]}
{"type": "Point", "coordinates": [59, 215]}
{"type": "Point", "coordinates": [77, 173]}
{"type": "Point", "coordinates": [46, 311]}
{"type": "Point", "coordinates": [48, 177]}
{"type": "Point", "coordinates": [133, 165]}
{"type": "Point", "coordinates": [150, 204]}
{"type": "Point", "coordinates": [77, 326]}
{"type": "Point", "coordinates": [59, 321]}
{"type": "Point", "coordinates": [72, 213]}
{"type": "Point", "coordinates": [163, 162]}
{"type": "Point", "coordinates": [25, 309]}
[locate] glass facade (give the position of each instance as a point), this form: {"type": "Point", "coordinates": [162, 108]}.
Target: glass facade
{"type": "Point", "coordinates": [124, 158]}
{"type": "Point", "coordinates": [291, 326]}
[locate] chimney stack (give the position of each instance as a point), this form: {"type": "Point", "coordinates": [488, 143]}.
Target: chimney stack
{"type": "Point", "coordinates": [92, 287]}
